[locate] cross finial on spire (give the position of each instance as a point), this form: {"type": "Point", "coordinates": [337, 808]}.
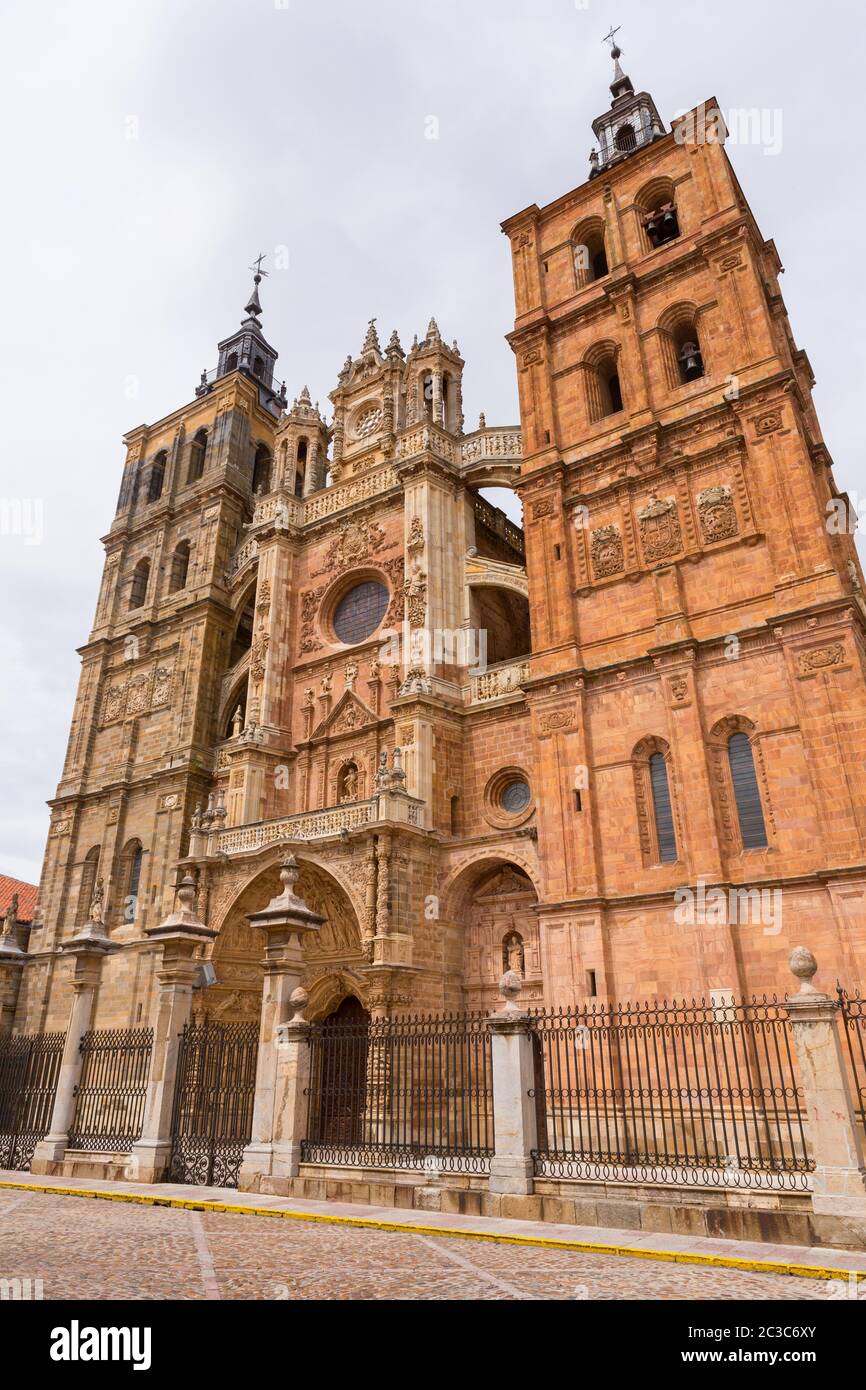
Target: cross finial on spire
{"type": "Point", "coordinates": [256, 266]}
{"type": "Point", "coordinates": [610, 37]}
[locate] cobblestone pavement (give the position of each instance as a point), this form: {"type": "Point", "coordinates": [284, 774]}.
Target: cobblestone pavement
{"type": "Point", "coordinates": [84, 1249]}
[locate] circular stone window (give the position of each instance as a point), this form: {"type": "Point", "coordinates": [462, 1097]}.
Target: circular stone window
{"type": "Point", "coordinates": [515, 796]}
{"type": "Point", "coordinates": [368, 421]}
{"type": "Point", "coordinates": [360, 611]}
{"type": "Point", "coordinates": [508, 799]}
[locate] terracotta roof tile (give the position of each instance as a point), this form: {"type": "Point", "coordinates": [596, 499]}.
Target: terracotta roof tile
{"type": "Point", "coordinates": [26, 896]}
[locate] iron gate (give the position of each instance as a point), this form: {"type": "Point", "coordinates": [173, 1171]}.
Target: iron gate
{"type": "Point", "coordinates": [29, 1068]}
{"type": "Point", "coordinates": [110, 1096]}
{"type": "Point", "coordinates": [213, 1102]}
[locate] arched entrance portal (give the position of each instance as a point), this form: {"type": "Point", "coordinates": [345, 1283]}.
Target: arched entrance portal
{"type": "Point", "coordinates": [332, 958]}
{"type": "Point", "coordinates": [340, 1080]}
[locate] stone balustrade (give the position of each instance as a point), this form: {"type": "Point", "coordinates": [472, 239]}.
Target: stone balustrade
{"type": "Point", "coordinates": [318, 825]}
{"type": "Point", "coordinates": [492, 444]}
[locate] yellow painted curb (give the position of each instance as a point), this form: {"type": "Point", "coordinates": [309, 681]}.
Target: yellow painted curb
{"type": "Point", "coordinates": [411, 1228]}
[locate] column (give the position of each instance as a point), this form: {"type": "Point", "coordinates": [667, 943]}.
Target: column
{"type": "Point", "coordinates": [511, 1169]}
{"type": "Point", "coordinates": [274, 1147]}
{"type": "Point", "coordinates": [88, 953]}
{"type": "Point", "coordinates": [839, 1181]}
{"type": "Point", "coordinates": [181, 935]}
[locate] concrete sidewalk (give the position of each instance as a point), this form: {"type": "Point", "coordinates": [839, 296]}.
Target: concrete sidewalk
{"type": "Point", "coordinates": [721, 1254]}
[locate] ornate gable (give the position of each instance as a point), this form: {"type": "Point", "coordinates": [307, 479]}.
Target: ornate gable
{"type": "Point", "coordinates": [348, 716]}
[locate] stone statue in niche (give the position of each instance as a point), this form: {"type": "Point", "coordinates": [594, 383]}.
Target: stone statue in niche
{"type": "Point", "coordinates": [349, 783]}
{"type": "Point", "coordinates": [512, 953]}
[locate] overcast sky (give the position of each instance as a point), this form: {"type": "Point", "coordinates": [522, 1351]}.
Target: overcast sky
{"type": "Point", "coordinates": [150, 150]}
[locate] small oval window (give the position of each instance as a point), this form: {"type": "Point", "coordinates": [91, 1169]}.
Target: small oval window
{"type": "Point", "coordinates": [360, 612]}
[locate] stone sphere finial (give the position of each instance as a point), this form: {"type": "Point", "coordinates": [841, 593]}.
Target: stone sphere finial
{"type": "Point", "coordinates": [804, 965]}
{"type": "Point", "coordinates": [509, 988]}
{"type": "Point", "coordinates": [299, 999]}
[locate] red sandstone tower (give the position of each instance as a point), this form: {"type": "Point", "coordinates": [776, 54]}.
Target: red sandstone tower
{"type": "Point", "coordinates": [697, 692]}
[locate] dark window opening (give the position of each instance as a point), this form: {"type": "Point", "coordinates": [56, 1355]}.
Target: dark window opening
{"type": "Point", "coordinates": [611, 394]}
{"type": "Point", "coordinates": [591, 986]}
{"type": "Point", "coordinates": [626, 138]}
{"type": "Point", "coordinates": [578, 802]}
{"type": "Point", "coordinates": [157, 477]}
{"type": "Point", "coordinates": [196, 456]}
{"type": "Point", "coordinates": [455, 815]}
{"type": "Point", "coordinates": [557, 552]}
{"type": "Point", "coordinates": [232, 362]}
{"type": "Point", "coordinates": [259, 366]}
{"type": "Point", "coordinates": [138, 589]}
{"type": "Point", "coordinates": [262, 470]}
{"type": "Point", "coordinates": [243, 638]}
{"type": "Point", "coordinates": [301, 468]}
{"type": "Point", "coordinates": [179, 567]}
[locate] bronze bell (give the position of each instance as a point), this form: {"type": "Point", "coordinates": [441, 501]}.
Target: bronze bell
{"type": "Point", "coordinates": [670, 226]}
{"type": "Point", "coordinates": [691, 362]}
{"type": "Point", "coordinates": [652, 228]}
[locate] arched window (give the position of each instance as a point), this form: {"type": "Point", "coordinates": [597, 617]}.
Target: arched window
{"type": "Point", "coordinates": [196, 456]}
{"type": "Point", "coordinates": [157, 476]}
{"type": "Point", "coordinates": [663, 809]}
{"type": "Point", "coordinates": [130, 879]}
{"type": "Point", "coordinates": [301, 468]}
{"type": "Point", "coordinates": [427, 395]}
{"type": "Point", "coordinates": [89, 870]}
{"type": "Point", "coordinates": [232, 362]}
{"type": "Point", "coordinates": [750, 813]}
{"type": "Point", "coordinates": [626, 138]}
{"type": "Point", "coordinates": [681, 345]}
{"type": "Point", "coordinates": [657, 211]}
{"type": "Point", "coordinates": [259, 366]}
{"type": "Point", "coordinates": [262, 470]}
{"type": "Point", "coordinates": [602, 378]}
{"type": "Point", "coordinates": [590, 252]}
{"type": "Point", "coordinates": [655, 805]}
{"type": "Point", "coordinates": [179, 567]}
{"type": "Point", "coordinates": [138, 588]}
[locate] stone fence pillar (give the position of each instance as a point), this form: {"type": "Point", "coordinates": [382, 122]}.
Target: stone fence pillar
{"type": "Point", "coordinates": [839, 1182]}
{"type": "Point", "coordinates": [181, 935]}
{"type": "Point", "coordinates": [274, 1148]}
{"type": "Point", "coordinates": [88, 950]}
{"type": "Point", "coordinates": [511, 1168]}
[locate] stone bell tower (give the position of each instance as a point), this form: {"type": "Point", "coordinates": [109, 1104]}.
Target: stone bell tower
{"type": "Point", "coordinates": [140, 750]}
{"type": "Point", "coordinates": [698, 626]}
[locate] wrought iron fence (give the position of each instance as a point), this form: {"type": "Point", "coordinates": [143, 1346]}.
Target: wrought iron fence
{"type": "Point", "coordinates": [698, 1092]}
{"type": "Point", "coordinates": [213, 1104]}
{"type": "Point", "coordinates": [29, 1068]}
{"type": "Point", "coordinates": [110, 1096]}
{"type": "Point", "coordinates": [853, 1013]}
{"type": "Point", "coordinates": [402, 1093]}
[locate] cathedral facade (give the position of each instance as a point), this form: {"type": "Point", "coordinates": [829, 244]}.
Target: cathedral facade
{"type": "Point", "coordinates": [619, 751]}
